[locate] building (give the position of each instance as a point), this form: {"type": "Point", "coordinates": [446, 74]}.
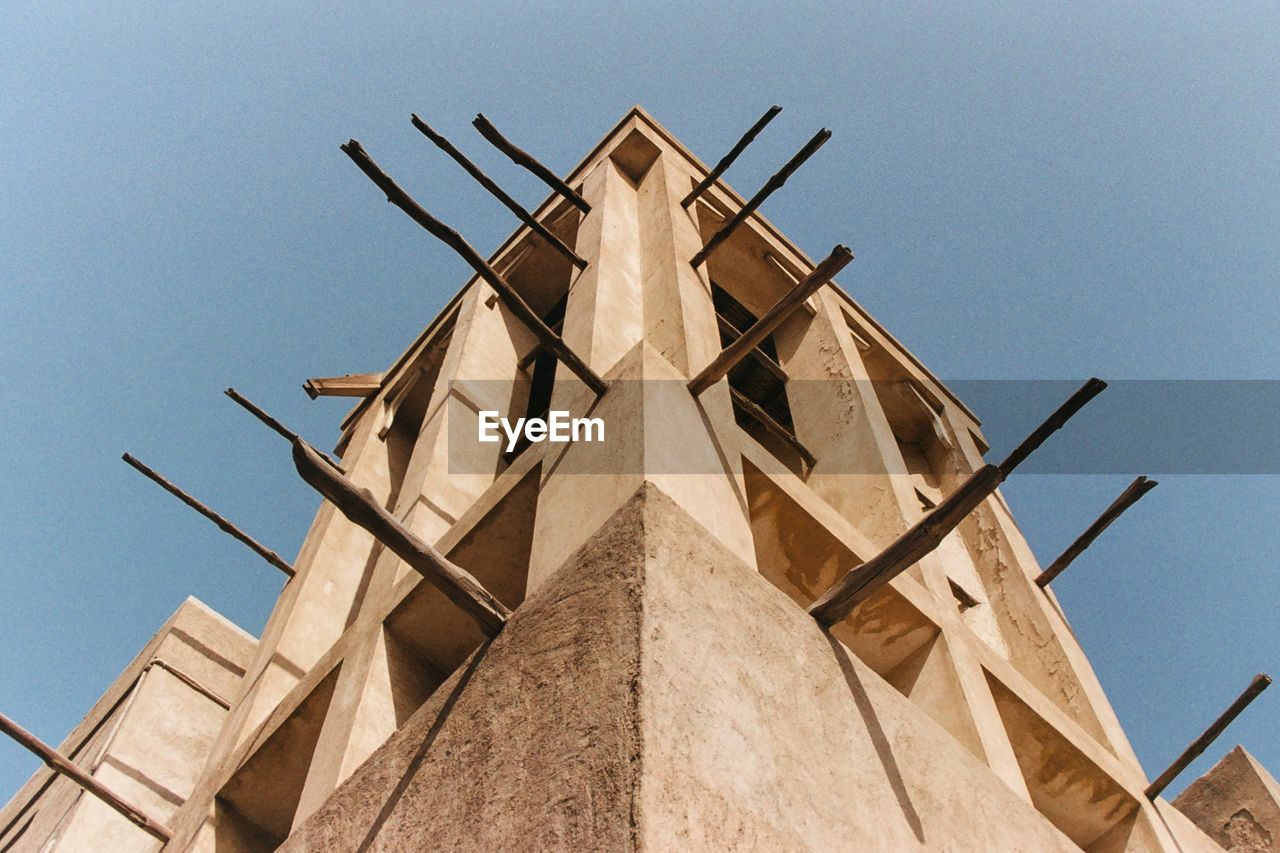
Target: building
{"type": "Point", "coordinates": [660, 683]}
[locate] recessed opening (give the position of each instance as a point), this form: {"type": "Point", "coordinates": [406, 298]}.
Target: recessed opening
{"type": "Point", "coordinates": [407, 405]}
{"type": "Point", "coordinates": [427, 629]}
{"type": "Point", "coordinates": [540, 365]}
{"type": "Point", "coordinates": [540, 274]}
{"type": "Point", "coordinates": [800, 557]}
{"type": "Point", "coordinates": [259, 802]}
{"type": "Point", "coordinates": [1066, 786]}
{"type": "Point", "coordinates": [634, 155]}
{"type": "Point", "coordinates": [964, 598]}
{"type": "Point", "coordinates": [888, 633]}
{"type": "Point", "coordinates": [758, 386]}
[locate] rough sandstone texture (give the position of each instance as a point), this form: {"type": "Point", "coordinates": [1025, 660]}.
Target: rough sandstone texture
{"type": "Point", "coordinates": [753, 729]}
{"type": "Point", "coordinates": [533, 744]}
{"type": "Point", "coordinates": [1237, 804]}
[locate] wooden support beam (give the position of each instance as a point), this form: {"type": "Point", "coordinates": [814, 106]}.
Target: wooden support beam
{"type": "Point", "coordinates": [1128, 498]}
{"type": "Point", "coordinates": [497, 192]}
{"type": "Point", "coordinates": [756, 354]}
{"type": "Point", "coordinates": [921, 538]}
{"type": "Point", "coordinates": [523, 158]}
{"type": "Point", "coordinates": [727, 160]}
{"type": "Point", "coordinates": [770, 186]}
{"type": "Point", "coordinates": [715, 371]}
{"type": "Point", "coordinates": [860, 582]}
{"type": "Point", "coordinates": [360, 507]}
{"type": "Point", "coordinates": [454, 240]}
{"type": "Point", "coordinates": [271, 422]}
{"type": "Point", "coordinates": [350, 385]}
{"type": "Point", "coordinates": [64, 766]}
{"type": "Point", "coordinates": [1260, 682]}
{"type": "Point", "coordinates": [767, 421]}
{"type": "Point", "coordinates": [225, 526]}
{"type": "Point", "coordinates": [1055, 422]}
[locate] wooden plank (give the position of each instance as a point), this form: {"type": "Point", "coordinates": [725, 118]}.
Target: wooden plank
{"type": "Point", "coordinates": [1191, 753]}
{"type": "Point", "coordinates": [497, 192]}
{"type": "Point", "coordinates": [727, 160]}
{"type": "Point", "coordinates": [349, 385]}
{"type": "Point", "coordinates": [510, 297]}
{"type": "Point", "coordinates": [920, 539]}
{"type": "Point", "coordinates": [720, 366]}
{"type": "Point", "coordinates": [767, 421]}
{"type": "Point", "coordinates": [770, 186]}
{"type": "Point", "coordinates": [225, 526]}
{"type": "Point", "coordinates": [860, 582]}
{"type": "Point", "coordinates": [1074, 403]}
{"type": "Point", "coordinates": [359, 505]}
{"type": "Point", "coordinates": [523, 158]}
{"type": "Point", "coordinates": [758, 355]}
{"type": "Point", "coordinates": [1130, 496]}
{"type": "Point", "coordinates": [64, 766]}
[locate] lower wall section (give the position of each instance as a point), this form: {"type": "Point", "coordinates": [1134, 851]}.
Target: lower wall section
{"type": "Point", "coordinates": [656, 693]}
{"type": "Point", "coordinates": [532, 744]}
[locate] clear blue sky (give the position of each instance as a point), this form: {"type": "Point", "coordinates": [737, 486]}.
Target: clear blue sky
{"type": "Point", "coordinates": [1033, 191]}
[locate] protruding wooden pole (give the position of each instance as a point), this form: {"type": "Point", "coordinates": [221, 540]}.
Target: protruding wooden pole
{"type": "Point", "coordinates": [1128, 498]}
{"type": "Point", "coordinates": [715, 371]}
{"type": "Point", "coordinates": [727, 160]}
{"type": "Point", "coordinates": [350, 385]}
{"type": "Point", "coordinates": [926, 534]}
{"type": "Point", "coordinates": [64, 766]}
{"type": "Point", "coordinates": [523, 158]}
{"type": "Point", "coordinates": [770, 186]}
{"type": "Point", "coordinates": [905, 551]}
{"type": "Point", "coordinates": [1064, 413]}
{"type": "Point", "coordinates": [360, 506]}
{"type": "Point", "coordinates": [454, 240]}
{"type": "Point", "coordinates": [780, 432]}
{"type": "Point", "coordinates": [1260, 682]}
{"type": "Point", "coordinates": [271, 422]}
{"type": "Point", "coordinates": [497, 192]}
{"type": "Point", "coordinates": [225, 526]}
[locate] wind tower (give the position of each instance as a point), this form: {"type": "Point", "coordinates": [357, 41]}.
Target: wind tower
{"type": "Point", "coordinates": [779, 606]}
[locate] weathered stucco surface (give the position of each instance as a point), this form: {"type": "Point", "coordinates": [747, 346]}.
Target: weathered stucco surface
{"type": "Point", "coordinates": [1237, 804]}
{"type": "Point", "coordinates": [752, 730]}
{"type": "Point", "coordinates": [532, 744]}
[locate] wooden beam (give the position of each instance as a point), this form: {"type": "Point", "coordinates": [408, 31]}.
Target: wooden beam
{"type": "Point", "coordinates": [860, 582]}
{"type": "Point", "coordinates": [1191, 753]}
{"type": "Point", "coordinates": [497, 192]}
{"type": "Point", "coordinates": [772, 185]}
{"type": "Point", "coordinates": [360, 507]}
{"type": "Point", "coordinates": [756, 354]}
{"type": "Point", "coordinates": [767, 421]}
{"type": "Point", "coordinates": [715, 371]}
{"type": "Point", "coordinates": [1128, 498]}
{"type": "Point", "coordinates": [727, 160]}
{"type": "Point", "coordinates": [225, 526]}
{"type": "Point", "coordinates": [921, 538]}
{"type": "Point", "coordinates": [350, 385]}
{"type": "Point", "coordinates": [64, 766]}
{"type": "Point", "coordinates": [523, 158]}
{"type": "Point", "coordinates": [271, 422]}
{"type": "Point", "coordinates": [454, 240]}
{"type": "Point", "coordinates": [1064, 413]}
